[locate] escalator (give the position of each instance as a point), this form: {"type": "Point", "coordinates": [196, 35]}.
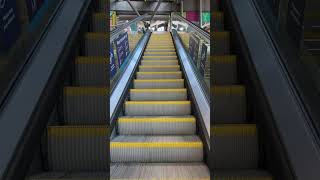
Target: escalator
{"type": "Point", "coordinates": [75, 146]}
{"type": "Point", "coordinates": [235, 143]}
{"type": "Point", "coordinates": [156, 138]}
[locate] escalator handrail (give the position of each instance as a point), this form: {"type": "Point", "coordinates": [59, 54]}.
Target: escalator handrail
{"type": "Point", "coordinates": [196, 89]}
{"type": "Point", "coordinates": [118, 95]}
{"type": "Point", "coordinates": [114, 34]}
{"type": "Point", "coordinates": [202, 33]}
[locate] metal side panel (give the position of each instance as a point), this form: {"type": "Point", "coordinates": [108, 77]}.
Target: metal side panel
{"type": "Point", "coordinates": [18, 122]}
{"type": "Point", "coordinates": [290, 119]}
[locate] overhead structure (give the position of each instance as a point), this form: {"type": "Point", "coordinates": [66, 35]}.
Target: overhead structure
{"type": "Point", "coordinates": [133, 8]}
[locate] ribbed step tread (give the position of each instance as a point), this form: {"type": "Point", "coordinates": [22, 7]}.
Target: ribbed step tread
{"type": "Point", "coordinates": [157, 125]}
{"type": "Point", "coordinates": [236, 146]}
{"type": "Point", "coordinates": [222, 45]}
{"type": "Point", "coordinates": [158, 94]}
{"type": "Point", "coordinates": [99, 22]}
{"type": "Point", "coordinates": [71, 176]}
{"type": "Point", "coordinates": [158, 83]}
{"type": "Point", "coordinates": [224, 70]}
{"type": "Point", "coordinates": [157, 108]}
{"type": "Point", "coordinates": [230, 104]}
{"type": "Point", "coordinates": [159, 53]}
{"type": "Point", "coordinates": [77, 148]}
{"type": "Point", "coordinates": [159, 62]}
{"type": "Point", "coordinates": [159, 171]}
{"type": "Point", "coordinates": [167, 68]}
{"type": "Point", "coordinates": [241, 175]}
{"type": "Point", "coordinates": [159, 58]}
{"type": "Point", "coordinates": [96, 43]}
{"type": "Point", "coordinates": [156, 149]}
{"type": "Point", "coordinates": [160, 50]}
{"type": "Point", "coordinates": [85, 105]}
{"type": "Point", "coordinates": [159, 75]}
{"type": "Point", "coordinates": [91, 71]}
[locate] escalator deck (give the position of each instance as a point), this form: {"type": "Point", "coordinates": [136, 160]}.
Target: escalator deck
{"type": "Point", "coordinates": [157, 136]}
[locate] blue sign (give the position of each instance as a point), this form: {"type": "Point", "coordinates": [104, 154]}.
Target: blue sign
{"type": "Point", "coordinates": [33, 6]}
{"type": "Point", "coordinates": [194, 47]}
{"type": "Point", "coordinates": [9, 24]}
{"type": "Point", "coordinates": [203, 58]}
{"type": "Point", "coordinates": [122, 46]}
{"type": "Point", "coordinates": [113, 68]}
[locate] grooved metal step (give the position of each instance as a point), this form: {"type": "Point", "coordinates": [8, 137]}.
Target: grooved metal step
{"type": "Point", "coordinates": [157, 125]}
{"type": "Point", "coordinates": [159, 62]}
{"type": "Point", "coordinates": [157, 108]}
{"type": "Point", "coordinates": [157, 53]}
{"type": "Point", "coordinates": [235, 146]}
{"type": "Point", "coordinates": [159, 75]}
{"type": "Point", "coordinates": [77, 148]}
{"type": "Point", "coordinates": [230, 104]}
{"type": "Point", "coordinates": [159, 58]}
{"type": "Point", "coordinates": [160, 50]}
{"type": "Point", "coordinates": [96, 43]}
{"type": "Point", "coordinates": [99, 22]}
{"type": "Point", "coordinates": [158, 94]}
{"type": "Point", "coordinates": [71, 176]}
{"type": "Point", "coordinates": [158, 83]}
{"type": "Point", "coordinates": [159, 68]}
{"type": "Point", "coordinates": [249, 174]}
{"type": "Point", "coordinates": [157, 171]}
{"type": "Point", "coordinates": [156, 149]}
{"type": "Point", "coordinates": [85, 105]}
{"type": "Point", "coordinates": [224, 70]}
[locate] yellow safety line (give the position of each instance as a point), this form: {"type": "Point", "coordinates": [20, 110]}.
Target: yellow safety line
{"type": "Point", "coordinates": [156, 120]}
{"type": "Point", "coordinates": [158, 90]}
{"type": "Point", "coordinates": [157, 102]}
{"type": "Point", "coordinates": [234, 129]}
{"type": "Point", "coordinates": [156, 144]}
{"type": "Point", "coordinates": [169, 66]}
{"type": "Point", "coordinates": [63, 131]}
{"type": "Point", "coordinates": [160, 56]}
{"type": "Point", "coordinates": [158, 80]}
{"type": "Point", "coordinates": [85, 91]}
{"type": "Point", "coordinates": [159, 61]}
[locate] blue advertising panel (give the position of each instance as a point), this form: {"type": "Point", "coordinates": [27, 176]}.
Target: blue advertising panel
{"type": "Point", "coordinates": [33, 6]}
{"type": "Point", "coordinates": [9, 24]}
{"type": "Point", "coordinates": [122, 47]}
{"type": "Point", "coordinates": [113, 68]}
{"type": "Point", "coordinates": [203, 58]}
{"type": "Point", "coordinates": [194, 47]}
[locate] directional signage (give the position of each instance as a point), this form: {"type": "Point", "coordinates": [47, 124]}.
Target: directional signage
{"type": "Point", "coordinates": [113, 67]}
{"type": "Point", "coordinates": [194, 47]}
{"type": "Point", "coordinates": [122, 47]}
{"type": "Point", "coordinates": [33, 6]}
{"type": "Point", "coordinates": [9, 24]}
{"type": "Point", "coordinates": [203, 58]}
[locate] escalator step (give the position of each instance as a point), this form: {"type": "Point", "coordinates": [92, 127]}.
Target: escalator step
{"type": "Point", "coordinates": [159, 62]}
{"type": "Point", "coordinates": [77, 148]}
{"type": "Point", "coordinates": [99, 22]}
{"type": "Point", "coordinates": [224, 70]}
{"type": "Point", "coordinates": [91, 71]}
{"type": "Point", "coordinates": [71, 176]}
{"type": "Point", "coordinates": [157, 108]}
{"type": "Point", "coordinates": [85, 105]}
{"type": "Point", "coordinates": [156, 149]}
{"type": "Point", "coordinates": [218, 20]}
{"type": "Point", "coordinates": [160, 47]}
{"type": "Point", "coordinates": [158, 83]}
{"type": "Point", "coordinates": [96, 44]}
{"type": "Point", "coordinates": [230, 104]}
{"type": "Point", "coordinates": [159, 171]}
{"type": "Point", "coordinates": [160, 50]}
{"type": "Point", "coordinates": [159, 75]}
{"type": "Point", "coordinates": [235, 146]}
{"type": "Point", "coordinates": [151, 58]}
{"type": "Point", "coordinates": [158, 94]}
{"type": "Point", "coordinates": [157, 125]}
{"type": "Point", "coordinates": [159, 68]}
{"type": "Point", "coordinates": [159, 53]}
{"type": "Point", "coordinates": [102, 6]}
{"type": "Point", "coordinates": [241, 175]}
{"type": "Point", "coordinates": [222, 45]}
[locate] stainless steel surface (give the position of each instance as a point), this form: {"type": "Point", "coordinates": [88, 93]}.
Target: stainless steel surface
{"type": "Point", "coordinates": [142, 6]}
{"type": "Point", "coordinates": [133, 8]}
{"type": "Point", "coordinates": [195, 86]}
{"type": "Point", "coordinates": [155, 10]}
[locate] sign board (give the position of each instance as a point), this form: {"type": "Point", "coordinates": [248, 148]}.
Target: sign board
{"type": "Point", "coordinates": [122, 47]}
{"type": "Point", "coordinates": [9, 24]}
{"type": "Point", "coordinates": [194, 43]}
{"type": "Point", "coordinates": [33, 6]}
{"type": "Point", "coordinates": [113, 67]}
{"type": "Point", "coordinates": [206, 17]}
{"type": "Point", "coordinates": [203, 58]}
{"type": "Point", "coordinates": [295, 18]}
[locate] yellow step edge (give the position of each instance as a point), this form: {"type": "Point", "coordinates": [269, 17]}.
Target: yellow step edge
{"type": "Point", "coordinates": [157, 102]}
{"type": "Point", "coordinates": [156, 144]}
{"type": "Point", "coordinates": [161, 61]}
{"type": "Point", "coordinates": [229, 89]}
{"type": "Point", "coordinates": [161, 52]}
{"type": "Point", "coordinates": [157, 120]}
{"type": "Point", "coordinates": [96, 35]}
{"type": "Point", "coordinates": [168, 66]}
{"type": "Point", "coordinates": [175, 72]}
{"type": "Point", "coordinates": [161, 56]}
{"type": "Point", "coordinates": [234, 129]}
{"type": "Point", "coordinates": [100, 15]}
{"type": "Point", "coordinates": [63, 131]}
{"type": "Point", "coordinates": [224, 59]}
{"type": "Point", "coordinates": [158, 90]}
{"type": "Point", "coordinates": [91, 60]}
{"type": "Point", "coordinates": [158, 80]}
{"type": "Point", "coordinates": [85, 91]}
